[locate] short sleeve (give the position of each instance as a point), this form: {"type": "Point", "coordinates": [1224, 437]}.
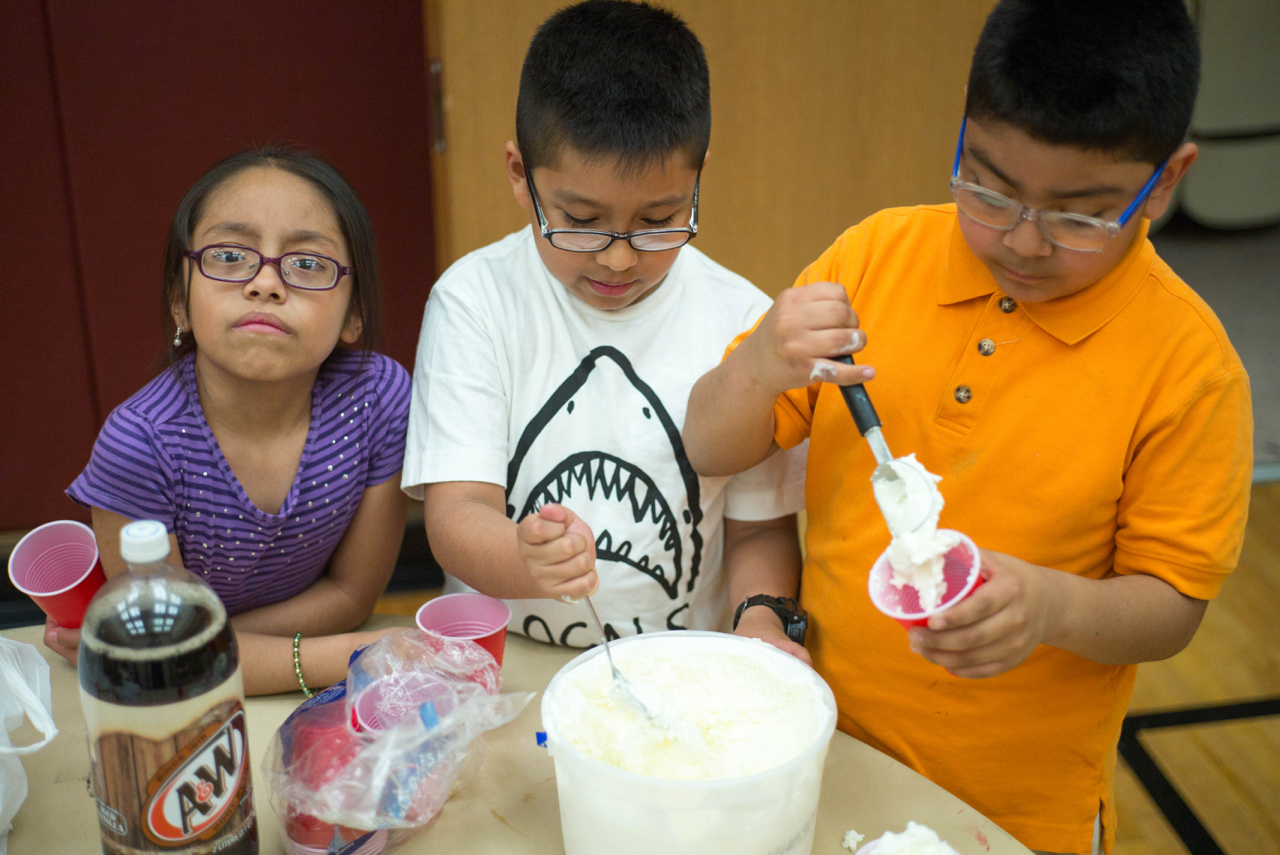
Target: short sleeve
{"type": "Point", "coordinates": [793, 410]}
{"type": "Point", "coordinates": [1186, 491]}
{"type": "Point", "coordinates": [129, 472]}
{"type": "Point", "coordinates": [459, 412]}
{"type": "Point", "coordinates": [772, 488]}
{"type": "Point", "coordinates": [389, 422]}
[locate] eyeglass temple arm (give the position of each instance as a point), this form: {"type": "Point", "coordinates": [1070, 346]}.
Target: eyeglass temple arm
{"type": "Point", "coordinates": [1141, 198]}
{"type": "Point", "coordinates": [955, 166]}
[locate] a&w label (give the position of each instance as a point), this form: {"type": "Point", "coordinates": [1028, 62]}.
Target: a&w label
{"type": "Point", "coordinates": [178, 781]}
{"type": "Point", "coordinates": [191, 796]}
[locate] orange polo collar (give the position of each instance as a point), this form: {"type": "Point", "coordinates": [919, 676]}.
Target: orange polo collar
{"type": "Point", "coordinates": [1069, 319]}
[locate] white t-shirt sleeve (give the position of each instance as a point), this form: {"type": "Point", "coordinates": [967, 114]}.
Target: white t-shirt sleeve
{"type": "Point", "coordinates": [772, 488]}
{"type": "Point", "coordinates": [459, 411]}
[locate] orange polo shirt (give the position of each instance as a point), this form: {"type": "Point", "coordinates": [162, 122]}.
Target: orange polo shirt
{"type": "Point", "coordinates": [1108, 432]}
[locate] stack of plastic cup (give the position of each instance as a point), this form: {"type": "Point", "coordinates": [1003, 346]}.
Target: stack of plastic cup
{"type": "Point", "coordinates": [57, 566]}
{"type": "Point", "coordinates": [470, 616]}
{"type": "Point", "coordinates": [960, 579]}
{"type": "Point", "coordinates": [385, 703]}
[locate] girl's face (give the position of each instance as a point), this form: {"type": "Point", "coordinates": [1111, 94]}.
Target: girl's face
{"type": "Point", "coordinates": [263, 329]}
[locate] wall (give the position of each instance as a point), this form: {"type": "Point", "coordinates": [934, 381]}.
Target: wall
{"type": "Point", "coordinates": [822, 113]}
{"type": "Point", "coordinates": [110, 112]}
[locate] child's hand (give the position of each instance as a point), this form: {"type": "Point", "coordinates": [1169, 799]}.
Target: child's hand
{"type": "Point", "coordinates": [559, 551]}
{"type": "Point", "coordinates": [998, 626]}
{"type": "Point", "coordinates": [801, 331]}
{"type": "Point", "coordinates": [763, 624]}
{"type": "Point", "coordinates": [62, 640]}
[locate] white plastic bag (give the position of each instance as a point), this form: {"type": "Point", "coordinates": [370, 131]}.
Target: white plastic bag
{"type": "Point", "coordinates": [24, 689]}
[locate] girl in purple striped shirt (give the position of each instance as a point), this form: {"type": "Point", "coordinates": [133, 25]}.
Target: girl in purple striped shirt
{"type": "Point", "coordinates": [272, 447]}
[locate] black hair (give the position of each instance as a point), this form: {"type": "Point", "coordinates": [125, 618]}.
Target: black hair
{"type": "Point", "coordinates": [614, 78]}
{"type": "Point", "coordinates": [1101, 75]}
{"type": "Point", "coordinates": [352, 218]}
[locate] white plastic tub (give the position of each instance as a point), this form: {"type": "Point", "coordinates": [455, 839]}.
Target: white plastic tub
{"type": "Point", "coordinates": [604, 809]}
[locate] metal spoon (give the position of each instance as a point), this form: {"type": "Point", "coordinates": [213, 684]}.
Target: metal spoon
{"type": "Point", "coordinates": [619, 681]}
{"type": "Point", "coordinates": [868, 422]}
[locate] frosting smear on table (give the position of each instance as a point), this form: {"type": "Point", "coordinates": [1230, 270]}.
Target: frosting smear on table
{"type": "Point", "coordinates": [916, 555]}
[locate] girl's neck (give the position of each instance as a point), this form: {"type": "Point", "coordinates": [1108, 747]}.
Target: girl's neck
{"type": "Point", "coordinates": [257, 408]}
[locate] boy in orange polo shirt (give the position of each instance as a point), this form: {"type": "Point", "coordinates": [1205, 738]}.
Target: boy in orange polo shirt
{"type": "Point", "coordinates": [1088, 416]}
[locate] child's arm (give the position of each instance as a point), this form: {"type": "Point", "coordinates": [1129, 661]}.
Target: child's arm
{"type": "Point", "coordinates": [763, 557]}
{"type": "Point", "coordinates": [550, 554]}
{"type": "Point", "coordinates": [729, 426]}
{"type": "Point", "coordinates": [357, 574]}
{"type": "Point", "coordinates": [341, 600]}
{"type": "Point", "coordinates": [1121, 620]}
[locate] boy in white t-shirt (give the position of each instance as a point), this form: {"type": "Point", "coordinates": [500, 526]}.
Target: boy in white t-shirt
{"type": "Point", "coordinates": [554, 366]}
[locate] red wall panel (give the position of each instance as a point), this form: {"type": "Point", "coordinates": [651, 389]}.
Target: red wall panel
{"type": "Point", "coordinates": [48, 418]}
{"type": "Point", "coordinates": [154, 92]}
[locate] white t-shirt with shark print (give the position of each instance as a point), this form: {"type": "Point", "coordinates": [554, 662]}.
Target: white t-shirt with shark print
{"type": "Point", "coordinates": [519, 383]}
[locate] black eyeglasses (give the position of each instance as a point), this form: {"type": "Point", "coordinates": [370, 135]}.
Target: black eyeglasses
{"type": "Point", "coordinates": [593, 240]}
{"type": "Point", "coordinates": [307, 271]}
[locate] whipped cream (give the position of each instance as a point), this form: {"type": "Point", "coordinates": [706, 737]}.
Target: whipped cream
{"type": "Point", "coordinates": [916, 556]}
{"type": "Point", "coordinates": [851, 840]}
{"type": "Point", "coordinates": [720, 709]}
{"type": "Point", "coordinates": [915, 840]}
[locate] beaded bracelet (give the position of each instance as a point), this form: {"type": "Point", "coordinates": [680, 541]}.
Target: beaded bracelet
{"type": "Point", "coordinates": [297, 665]}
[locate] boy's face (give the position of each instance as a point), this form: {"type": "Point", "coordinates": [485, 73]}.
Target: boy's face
{"type": "Point", "coordinates": [577, 192]}
{"type": "Point", "coordinates": [1048, 177]}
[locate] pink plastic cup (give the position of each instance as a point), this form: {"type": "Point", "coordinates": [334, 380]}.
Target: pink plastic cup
{"type": "Point", "coordinates": [385, 703]}
{"type": "Point", "coordinates": [471, 616]}
{"type": "Point", "coordinates": [57, 565]}
{"type": "Point", "coordinates": [959, 573]}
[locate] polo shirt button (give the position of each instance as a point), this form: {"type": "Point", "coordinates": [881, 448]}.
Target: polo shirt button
{"type": "Point", "coordinates": [1008, 304]}
{"type": "Point", "coordinates": [963, 394]}
{"type": "Point", "coordinates": [986, 347]}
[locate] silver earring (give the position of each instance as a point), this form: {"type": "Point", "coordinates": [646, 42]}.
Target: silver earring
{"type": "Point", "coordinates": [177, 336]}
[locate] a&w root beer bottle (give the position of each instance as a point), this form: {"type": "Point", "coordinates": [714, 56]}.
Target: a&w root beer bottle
{"type": "Point", "coordinates": [164, 704]}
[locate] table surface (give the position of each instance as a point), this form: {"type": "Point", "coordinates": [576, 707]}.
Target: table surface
{"type": "Point", "coordinates": [510, 807]}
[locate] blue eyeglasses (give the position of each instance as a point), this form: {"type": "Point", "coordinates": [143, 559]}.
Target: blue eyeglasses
{"type": "Point", "coordinates": [1069, 231]}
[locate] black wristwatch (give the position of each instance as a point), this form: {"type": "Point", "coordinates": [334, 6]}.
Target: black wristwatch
{"type": "Point", "coordinates": [795, 620]}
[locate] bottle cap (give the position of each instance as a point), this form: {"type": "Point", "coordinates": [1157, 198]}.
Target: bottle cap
{"type": "Point", "coordinates": [144, 542]}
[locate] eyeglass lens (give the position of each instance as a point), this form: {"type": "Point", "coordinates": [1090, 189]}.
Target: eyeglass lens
{"type": "Point", "coordinates": [298, 269]}
{"type": "Point", "coordinates": [589, 242]}
{"type": "Point", "coordinates": [1065, 230]}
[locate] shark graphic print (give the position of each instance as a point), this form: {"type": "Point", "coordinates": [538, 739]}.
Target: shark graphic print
{"type": "Point", "coordinates": [605, 446]}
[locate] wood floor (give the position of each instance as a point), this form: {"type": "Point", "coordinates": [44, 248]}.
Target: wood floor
{"type": "Point", "coordinates": [1229, 773]}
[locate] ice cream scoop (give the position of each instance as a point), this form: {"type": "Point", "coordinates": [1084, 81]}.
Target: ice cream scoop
{"type": "Point", "coordinates": [904, 516]}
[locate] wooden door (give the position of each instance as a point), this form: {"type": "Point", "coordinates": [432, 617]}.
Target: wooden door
{"type": "Point", "coordinates": [822, 113]}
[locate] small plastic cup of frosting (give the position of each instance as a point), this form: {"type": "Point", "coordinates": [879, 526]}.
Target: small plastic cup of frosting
{"type": "Point", "coordinates": [960, 578]}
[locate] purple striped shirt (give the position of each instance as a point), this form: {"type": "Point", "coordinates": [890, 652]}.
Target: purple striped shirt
{"type": "Point", "coordinates": [156, 458]}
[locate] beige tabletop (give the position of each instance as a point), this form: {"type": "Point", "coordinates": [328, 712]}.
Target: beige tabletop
{"type": "Point", "coordinates": [510, 807]}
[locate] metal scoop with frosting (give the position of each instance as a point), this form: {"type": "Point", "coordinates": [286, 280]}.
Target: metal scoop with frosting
{"type": "Point", "coordinates": [908, 497]}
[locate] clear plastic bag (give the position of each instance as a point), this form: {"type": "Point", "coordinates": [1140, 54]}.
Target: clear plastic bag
{"type": "Point", "coordinates": [370, 760]}
{"type": "Point", "coordinates": [24, 690]}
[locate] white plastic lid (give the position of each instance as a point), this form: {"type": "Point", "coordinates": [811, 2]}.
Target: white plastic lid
{"type": "Point", "coordinates": [144, 542]}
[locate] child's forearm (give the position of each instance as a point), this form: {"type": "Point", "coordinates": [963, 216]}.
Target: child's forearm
{"type": "Point", "coordinates": [322, 609]}
{"type": "Point", "coordinates": [266, 661]}
{"type": "Point", "coordinates": [1122, 620]}
{"type": "Point", "coordinates": [761, 557]}
{"type": "Point", "coordinates": [475, 542]}
{"type": "Point", "coordinates": [729, 424]}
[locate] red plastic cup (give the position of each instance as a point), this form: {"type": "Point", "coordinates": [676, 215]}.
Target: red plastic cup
{"type": "Point", "coordinates": [471, 616]}
{"type": "Point", "coordinates": [385, 703]}
{"type": "Point", "coordinates": [57, 565]}
{"type": "Point", "coordinates": [960, 579]}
